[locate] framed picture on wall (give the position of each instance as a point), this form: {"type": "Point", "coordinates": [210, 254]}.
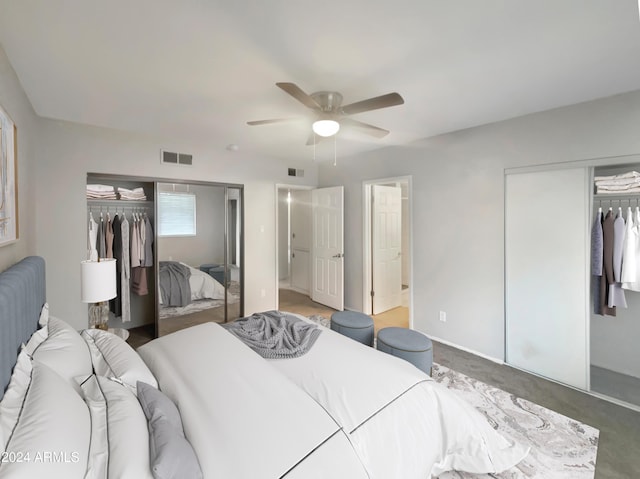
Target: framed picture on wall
{"type": "Point", "coordinates": [8, 187]}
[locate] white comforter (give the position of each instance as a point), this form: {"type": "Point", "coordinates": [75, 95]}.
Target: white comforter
{"type": "Point", "coordinates": [401, 422]}
{"type": "Point", "coordinates": [249, 417]}
{"type": "Point", "coordinates": [244, 419]}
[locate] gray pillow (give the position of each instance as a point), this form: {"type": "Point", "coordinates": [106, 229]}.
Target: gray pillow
{"type": "Point", "coordinates": [171, 455]}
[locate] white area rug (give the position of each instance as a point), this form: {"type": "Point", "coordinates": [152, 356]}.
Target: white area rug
{"type": "Point", "coordinates": [561, 448]}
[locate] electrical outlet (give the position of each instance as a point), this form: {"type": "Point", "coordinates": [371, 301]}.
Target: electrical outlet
{"type": "Point", "coordinates": [443, 316]}
{"type": "Point", "coordinates": [263, 293]}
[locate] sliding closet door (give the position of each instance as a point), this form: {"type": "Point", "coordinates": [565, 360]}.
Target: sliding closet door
{"type": "Point", "coordinates": [546, 273]}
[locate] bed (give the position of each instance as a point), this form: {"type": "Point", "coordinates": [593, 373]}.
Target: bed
{"type": "Point", "coordinates": [183, 289]}
{"type": "Point", "coordinates": [341, 410]}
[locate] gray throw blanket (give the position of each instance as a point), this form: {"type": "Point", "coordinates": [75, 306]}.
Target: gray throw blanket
{"type": "Point", "coordinates": [174, 283]}
{"type": "Point", "coordinates": [275, 335]}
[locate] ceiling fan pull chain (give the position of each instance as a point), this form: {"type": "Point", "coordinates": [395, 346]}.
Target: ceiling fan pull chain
{"type": "Point", "coordinates": [334, 149]}
{"type": "Point", "coordinates": [314, 146]}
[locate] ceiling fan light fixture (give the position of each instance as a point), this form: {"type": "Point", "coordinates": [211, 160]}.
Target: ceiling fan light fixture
{"type": "Point", "coordinates": [326, 127]}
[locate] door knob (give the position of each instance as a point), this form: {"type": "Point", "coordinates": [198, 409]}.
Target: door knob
{"type": "Point", "coordinates": [339, 255]}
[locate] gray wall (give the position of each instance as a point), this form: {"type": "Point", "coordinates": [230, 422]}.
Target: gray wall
{"type": "Point", "coordinates": [458, 208]}
{"type": "Point", "coordinates": [68, 151]}
{"type": "Point", "coordinates": [14, 101]}
{"type": "Point", "coordinates": [54, 158]}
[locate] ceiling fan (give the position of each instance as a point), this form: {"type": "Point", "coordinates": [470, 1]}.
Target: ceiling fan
{"type": "Point", "coordinates": [331, 115]}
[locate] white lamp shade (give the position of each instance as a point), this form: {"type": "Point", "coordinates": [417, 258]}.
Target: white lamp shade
{"type": "Point", "coordinates": [326, 127]}
{"type": "Point", "coordinates": [98, 280]}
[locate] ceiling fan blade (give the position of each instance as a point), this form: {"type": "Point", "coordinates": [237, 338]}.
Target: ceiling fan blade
{"type": "Point", "coordinates": [364, 127]}
{"type": "Point", "coordinates": [383, 101]}
{"type": "Point", "coordinates": [266, 122]}
{"type": "Point", "coordinates": [296, 92]}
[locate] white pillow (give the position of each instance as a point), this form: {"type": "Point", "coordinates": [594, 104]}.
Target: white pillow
{"type": "Point", "coordinates": [119, 426]}
{"type": "Point", "coordinates": [65, 352]}
{"type": "Point", "coordinates": [13, 398]}
{"type": "Point", "coordinates": [40, 334]}
{"type": "Point", "coordinates": [44, 315]}
{"type": "Point", "coordinates": [113, 357]}
{"type": "Point", "coordinates": [51, 438]}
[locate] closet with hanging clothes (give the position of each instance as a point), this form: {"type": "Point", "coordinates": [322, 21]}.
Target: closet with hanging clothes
{"type": "Point", "coordinates": [120, 225]}
{"type": "Point", "coordinates": [615, 280]}
{"type": "Point", "coordinates": [572, 274]}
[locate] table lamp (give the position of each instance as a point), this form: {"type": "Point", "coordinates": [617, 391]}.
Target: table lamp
{"type": "Point", "coordinates": [98, 286]}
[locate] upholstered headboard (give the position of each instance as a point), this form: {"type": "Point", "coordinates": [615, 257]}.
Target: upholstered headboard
{"type": "Point", "coordinates": [22, 295]}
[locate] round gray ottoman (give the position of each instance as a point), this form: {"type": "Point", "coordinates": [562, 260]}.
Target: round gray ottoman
{"type": "Point", "coordinates": [355, 325]}
{"type": "Point", "coordinates": [407, 344]}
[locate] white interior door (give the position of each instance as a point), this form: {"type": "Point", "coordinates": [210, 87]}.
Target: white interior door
{"type": "Point", "coordinates": [547, 273]}
{"type": "Point", "coordinates": [327, 254]}
{"type": "Point", "coordinates": [387, 247]}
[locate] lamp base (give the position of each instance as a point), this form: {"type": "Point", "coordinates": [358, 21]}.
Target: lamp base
{"type": "Point", "coordinates": [99, 315]}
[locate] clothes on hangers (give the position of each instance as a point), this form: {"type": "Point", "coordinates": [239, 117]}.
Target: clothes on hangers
{"type": "Point", "coordinates": [607, 265]}
{"type": "Point", "coordinates": [131, 244]}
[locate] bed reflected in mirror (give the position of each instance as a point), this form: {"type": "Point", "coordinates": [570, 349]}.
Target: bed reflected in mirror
{"type": "Point", "coordinates": [199, 254]}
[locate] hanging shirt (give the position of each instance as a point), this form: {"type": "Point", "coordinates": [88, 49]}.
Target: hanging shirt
{"type": "Point", "coordinates": [143, 237]}
{"type": "Point", "coordinates": [108, 237]}
{"type": "Point", "coordinates": [616, 293]}
{"type": "Point", "coordinates": [115, 304]}
{"type": "Point", "coordinates": [135, 245]}
{"type": "Point", "coordinates": [125, 271]}
{"type": "Point", "coordinates": [139, 281]}
{"type": "Point", "coordinates": [596, 260]}
{"type": "Point", "coordinates": [92, 253]}
{"type": "Point", "coordinates": [102, 247]}
{"type": "Point", "coordinates": [607, 265]}
{"type": "Point", "coordinates": [631, 280]}
{"type": "Point", "coordinates": [629, 259]}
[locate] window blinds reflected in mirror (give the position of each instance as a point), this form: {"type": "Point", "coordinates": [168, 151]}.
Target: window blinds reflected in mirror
{"type": "Point", "coordinates": [176, 214]}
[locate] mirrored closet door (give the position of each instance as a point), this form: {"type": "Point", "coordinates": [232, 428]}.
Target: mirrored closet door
{"type": "Point", "coordinates": [200, 254]}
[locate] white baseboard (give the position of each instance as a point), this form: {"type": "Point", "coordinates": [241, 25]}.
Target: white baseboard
{"type": "Point", "coordinates": [462, 348]}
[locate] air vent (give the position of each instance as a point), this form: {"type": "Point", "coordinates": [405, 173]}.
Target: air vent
{"type": "Point", "coordinates": [173, 158]}
{"type": "Point", "coordinates": [295, 172]}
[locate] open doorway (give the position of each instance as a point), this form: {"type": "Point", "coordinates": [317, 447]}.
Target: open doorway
{"type": "Point", "coordinates": [387, 247]}
{"type": "Point", "coordinates": [294, 250]}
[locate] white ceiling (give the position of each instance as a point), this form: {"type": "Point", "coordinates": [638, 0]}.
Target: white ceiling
{"type": "Point", "coordinates": [199, 69]}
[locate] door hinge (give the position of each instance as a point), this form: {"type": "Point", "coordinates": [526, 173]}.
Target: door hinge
{"type": "Point", "coordinates": [372, 294]}
{"type": "Point", "coordinates": [293, 255]}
